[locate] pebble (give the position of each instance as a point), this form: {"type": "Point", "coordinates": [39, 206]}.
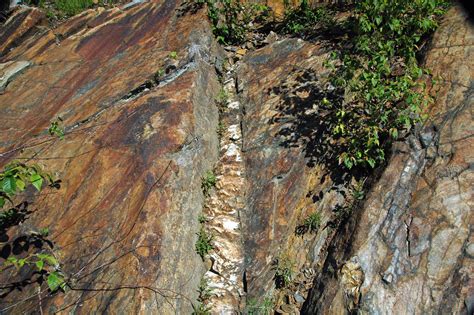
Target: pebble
{"type": "Point", "coordinates": [299, 298]}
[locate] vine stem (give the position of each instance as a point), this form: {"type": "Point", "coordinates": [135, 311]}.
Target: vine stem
{"type": "Point", "coordinates": [39, 298]}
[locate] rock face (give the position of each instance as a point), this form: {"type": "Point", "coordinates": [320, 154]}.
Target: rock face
{"type": "Point", "coordinates": [281, 84]}
{"type": "Point", "coordinates": [125, 220]}
{"type": "Point", "coordinates": [411, 251]}
{"type": "Point", "coordinates": [136, 87]}
{"type": "Point", "coordinates": [406, 249]}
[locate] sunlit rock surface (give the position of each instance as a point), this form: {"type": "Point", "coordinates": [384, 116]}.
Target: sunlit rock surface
{"type": "Point", "coordinates": [142, 128]}
{"type": "Point", "coordinates": [125, 219]}
{"type": "Point", "coordinates": [413, 241]}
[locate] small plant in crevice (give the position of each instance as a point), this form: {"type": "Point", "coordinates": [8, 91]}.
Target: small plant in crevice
{"type": "Point", "coordinates": [284, 271]}
{"type": "Point", "coordinates": [157, 77]}
{"type": "Point", "coordinates": [356, 195]}
{"type": "Point", "coordinates": [202, 219]}
{"type": "Point", "coordinates": [254, 307]}
{"type": "Point", "coordinates": [222, 99]}
{"type": "Point", "coordinates": [208, 181]}
{"type": "Point", "coordinates": [357, 190]}
{"type": "Point", "coordinates": [56, 128]}
{"type": "Point", "coordinates": [310, 224]}
{"type": "Point", "coordinates": [220, 129]}
{"type": "Point", "coordinates": [173, 55]}
{"type": "Point", "coordinates": [204, 293]}
{"type": "Point", "coordinates": [204, 242]}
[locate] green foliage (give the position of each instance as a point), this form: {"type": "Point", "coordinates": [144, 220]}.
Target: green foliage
{"type": "Point", "coordinates": [173, 55]}
{"type": "Point", "coordinates": [263, 308]}
{"type": "Point", "coordinates": [222, 99]}
{"type": "Point", "coordinates": [310, 224]}
{"type": "Point", "coordinates": [158, 75]}
{"type": "Point", "coordinates": [201, 309]}
{"type": "Point", "coordinates": [56, 129]}
{"type": "Point", "coordinates": [202, 219]}
{"type": "Point", "coordinates": [59, 9]}
{"type": "Point", "coordinates": [284, 273]}
{"type": "Point", "coordinates": [208, 182]}
{"type": "Point", "coordinates": [72, 7]}
{"type": "Point", "coordinates": [220, 129]}
{"type": "Point", "coordinates": [381, 76]}
{"type": "Point", "coordinates": [55, 281]}
{"type": "Point", "coordinates": [231, 19]}
{"type": "Point", "coordinates": [204, 294]}
{"type": "Point", "coordinates": [303, 18]}
{"type": "Point", "coordinates": [204, 242]}
{"type": "Point", "coordinates": [357, 190]}
{"type": "Point", "coordinates": [14, 179]}
{"type": "Point", "coordinates": [43, 263]}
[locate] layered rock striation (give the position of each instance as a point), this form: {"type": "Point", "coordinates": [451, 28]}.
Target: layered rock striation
{"type": "Point", "coordinates": [139, 89]}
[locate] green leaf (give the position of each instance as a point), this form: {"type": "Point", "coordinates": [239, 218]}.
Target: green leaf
{"type": "Point", "coordinates": [54, 280]}
{"type": "Point", "coordinates": [371, 162]}
{"type": "Point", "coordinates": [20, 184]}
{"type": "Point", "coordinates": [394, 133]}
{"type": "Point", "coordinates": [51, 260]}
{"type": "Point", "coordinates": [2, 202]}
{"type": "Point", "coordinates": [21, 262]}
{"type": "Point", "coordinates": [44, 231]}
{"type": "Point", "coordinates": [173, 54]}
{"type": "Point", "coordinates": [9, 185]}
{"type": "Point", "coordinates": [37, 181]}
{"type": "Point", "coordinates": [39, 265]}
{"type": "Point", "coordinates": [348, 162]}
{"type": "Point", "coordinates": [11, 260]}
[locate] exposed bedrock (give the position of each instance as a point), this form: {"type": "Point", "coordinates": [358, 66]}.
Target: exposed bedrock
{"type": "Point", "coordinates": [125, 219]}
{"type": "Point", "coordinates": [136, 87]}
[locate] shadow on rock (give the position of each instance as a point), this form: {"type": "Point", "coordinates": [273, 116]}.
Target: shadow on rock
{"type": "Point", "coordinates": [307, 114]}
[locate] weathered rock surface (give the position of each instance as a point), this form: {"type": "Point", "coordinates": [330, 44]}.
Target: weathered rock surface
{"type": "Point", "coordinates": [22, 24]}
{"type": "Point", "coordinates": [287, 167]}
{"type": "Point", "coordinates": [410, 254]}
{"type": "Point", "coordinates": [125, 219]}
{"type": "Point", "coordinates": [415, 227]}
{"type": "Point", "coordinates": [137, 143]}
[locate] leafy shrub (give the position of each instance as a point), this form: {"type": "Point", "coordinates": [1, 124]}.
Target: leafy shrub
{"type": "Point", "coordinates": [204, 242]}
{"type": "Point", "coordinates": [381, 76]}
{"type": "Point", "coordinates": [72, 7]}
{"type": "Point", "coordinates": [262, 308]}
{"type": "Point", "coordinates": [357, 191]}
{"type": "Point", "coordinates": [284, 273]}
{"type": "Point", "coordinates": [310, 224]}
{"type": "Point", "coordinates": [208, 182]}
{"type": "Point", "coordinates": [56, 128]}
{"type": "Point", "coordinates": [231, 19]}
{"type": "Point", "coordinates": [298, 20]}
{"type": "Point", "coordinates": [204, 294]}
{"type": "Point", "coordinates": [36, 253]}
{"type": "Point", "coordinates": [14, 179]}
